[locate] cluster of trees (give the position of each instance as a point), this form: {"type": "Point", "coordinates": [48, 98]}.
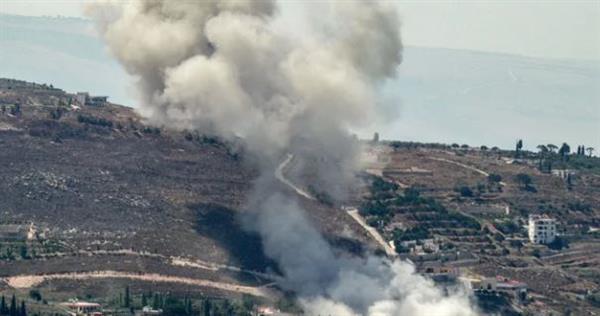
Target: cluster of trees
{"type": "Point", "coordinates": [525, 181]}
{"type": "Point", "coordinates": [411, 145]}
{"type": "Point", "coordinates": [14, 309]}
{"type": "Point", "coordinates": [551, 156]}
{"type": "Point", "coordinates": [594, 299]}
{"type": "Point", "coordinates": [581, 150]}
{"type": "Point", "coordinates": [414, 233]}
{"type": "Point", "coordinates": [151, 130]}
{"type": "Point", "coordinates": [386, 201]}
{"type": "Point", "coordinates": [173, 305]}
{"type": "Point", "coordinates": [92, 120]}
{"type": "Point", "coordinates": [57, 113]}
{"type": "Point", "coordinates": [13, 109]}
{"type": "Point", "coordinates": [492, 185]}
{"type": "Point", "coordinates": [508, 227]}
{"type": "Point", "coordinates": [201, 138]}
{"type": "Point", "coordinates": [551, 149]}
{"type": "Point", "coordinates": [10, 252]}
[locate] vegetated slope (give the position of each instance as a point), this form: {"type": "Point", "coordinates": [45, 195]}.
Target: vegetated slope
{"type": "Point", "coordinates": [95, 181]}
{"type": "Point", "coordinates": [473, 204]}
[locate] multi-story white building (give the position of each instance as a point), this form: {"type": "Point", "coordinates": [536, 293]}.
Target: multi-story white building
{"type": "Point", "coordinates": [542, 229]}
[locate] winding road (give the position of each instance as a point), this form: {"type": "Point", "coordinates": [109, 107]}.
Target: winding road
{"type": "Point", "coordinates": [279, 175]}
{"type": "Point", "coordinates": [353, 212]}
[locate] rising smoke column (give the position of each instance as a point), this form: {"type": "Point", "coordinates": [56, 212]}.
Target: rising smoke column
{"type": "Point", "coordinates": [222, 67]}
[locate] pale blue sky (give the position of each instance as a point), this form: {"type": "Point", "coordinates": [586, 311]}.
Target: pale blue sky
{"type": "Point", "coordinates": [550, 29]}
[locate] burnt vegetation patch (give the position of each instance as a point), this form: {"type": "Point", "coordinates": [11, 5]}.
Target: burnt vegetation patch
{"type": "Point", "coordinates": [225, 227]}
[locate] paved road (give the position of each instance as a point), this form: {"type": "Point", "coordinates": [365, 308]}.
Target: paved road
{"type": "Point", "coordinates": [353, 212]}
{"type": "Point", "coordinates": [372, 231]}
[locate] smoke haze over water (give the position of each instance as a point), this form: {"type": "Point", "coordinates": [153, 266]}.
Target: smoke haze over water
{"type": "Point", "coordinates": [222, 67]}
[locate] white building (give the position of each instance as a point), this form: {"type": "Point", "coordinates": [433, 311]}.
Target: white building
{"type": "Point", "coordinates": [81, 97]}
{"type": "Point", "coordinates": [84, 98]}
{"type": "Point", "coordinates": [542, 229]}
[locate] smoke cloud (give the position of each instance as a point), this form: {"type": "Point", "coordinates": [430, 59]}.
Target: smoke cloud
{"type": "Point", "coordinates": [223, 67]}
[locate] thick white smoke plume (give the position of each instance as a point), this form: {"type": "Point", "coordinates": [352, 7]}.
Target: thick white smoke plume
{"type": "Point", "coordinates": [223, 67]}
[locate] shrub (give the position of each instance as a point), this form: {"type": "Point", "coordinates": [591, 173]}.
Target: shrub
{"type": "Point", "coordinates": [493, 177]}
{"type": "Point", "coordinates": [558, 243]}
{"type": "Point", "coordinates": [92, 120]}
{"type": "Point", "coordinates": [414, 233]}
{"type": "Point", "coordinates": [380, 185]}
{"type": "Point", "coordinates": [35, 294]}
{"type": "Point", "coordinates": [594, 299]}
{"type": "Point", "coordinates": [465, 191]}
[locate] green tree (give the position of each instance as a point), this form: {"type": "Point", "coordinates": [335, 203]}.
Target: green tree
{"type": "Point", "coordinates": [23, 310]}
{"type": "Point", "coordinates": [127, 301]}
{"type": "Point", "coordinates": [15, 110]}
{"type": "Point", "coordinates": [465, 191]}
{"type": "Point", "coordinates": [518, 147]}
{"type": "Point", "coordinates": [3, 307]}
{"type": "Point", "coordinates": [543, 149]}
{"type": "Point", "coordinates": [543, 153]}
{"type": "Point", "coordinates": [524, 179]}
{"type": "Point", "coordinates": [23, 252]}
{"type": "Point", "coordinates": [564, 150]}
{"type": "Point", "coordinates": [9, 254]}
{"type": "Point", "coordinates": [552, 148]}
{"type": "Point", "coordinates": [590, 150]}
{"type": "Point", "coordinates": [13, 307]}
{"type": "Point", "coordinates": [226, 308]}
{"type": "Point", "coordinates": [206, 307]}
{"type": "Point", "coordinates": [517, 244]}
{"type": "Point", "coordinates": [189, 309]}
{"type": "Point", "coordinates": [156, 301]}
{"type": "Point", "coordinates": [248, 302]}
{"type": "Point", "coordinates": [495, 178]}
{"type": "Point", "coordinates": [35, 294]}
{"type": "Point", "coordinates": [144, 300]}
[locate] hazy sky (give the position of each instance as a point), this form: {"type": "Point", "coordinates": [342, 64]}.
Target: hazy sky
{"type": "Point", "coordinates": [554, 29]}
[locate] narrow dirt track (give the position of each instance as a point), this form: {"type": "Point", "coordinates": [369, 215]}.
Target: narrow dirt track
{"type": "Point", "coordinates": [28, 281]}
{"type": "Point", "coordinates": [279, 175]}
{"type": "Point", "coordinates": [460, 164]}
{"type": "Point", "coordinates": [176, 261]}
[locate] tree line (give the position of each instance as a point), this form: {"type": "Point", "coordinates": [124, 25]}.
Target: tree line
{"type": "Point", "coordinates": [14, 309]}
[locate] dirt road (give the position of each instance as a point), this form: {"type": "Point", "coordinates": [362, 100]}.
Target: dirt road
{"type": "Point", "coordinates": [176, 261]}
{"type": "Point", "coordinates": [460, 164]}
{"type": "Point", "coordinates": [279, 175]}
{"type": "Point", "coordinates": [27, 281]}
